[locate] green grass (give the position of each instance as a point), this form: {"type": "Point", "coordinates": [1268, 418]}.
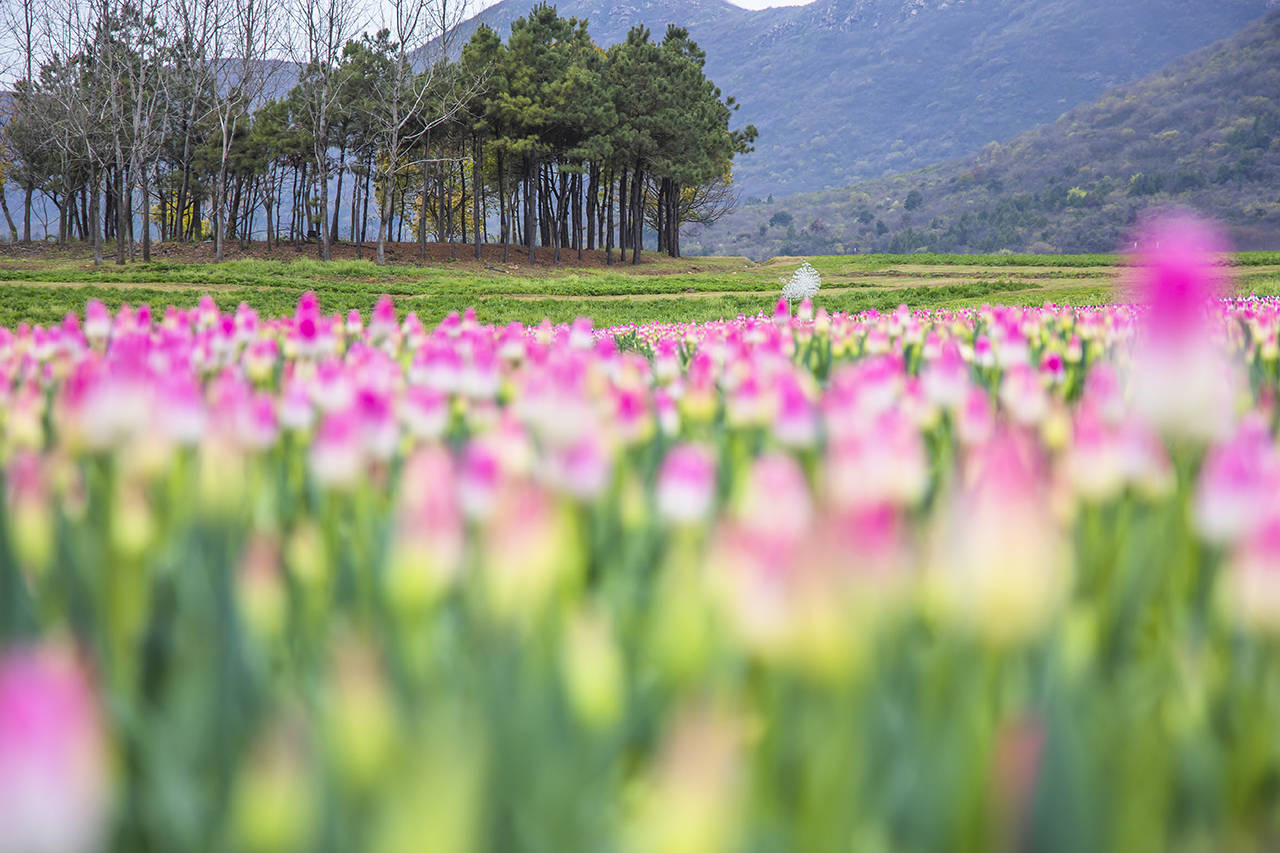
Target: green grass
{"type": "Point", "coordinates": [688, 290]}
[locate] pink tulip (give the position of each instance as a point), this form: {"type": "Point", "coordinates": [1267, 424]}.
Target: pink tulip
{"type": "Point", "coordinates": [1182, 382]}
{"type": "Point", "coordinates": [1239, 486]}
{"type": "Point", "coordinates": [54, 790]}
{"type": "Point", "coordinates": [686, 484]}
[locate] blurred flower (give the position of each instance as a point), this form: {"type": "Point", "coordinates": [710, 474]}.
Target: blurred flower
{"type": "Point", "coordinates": [337, 454]}
{"type": "Point", "coordinates": [1239, 486]}
{"type": "Point", "coordinates": [686, 484]}
{"type": "Point", "coordinates": [360, 720]}
{"type": "Point", "coordinates": [690, 796]}
{"type": "Point", "coordinates": [260, 588]}
{"type": "Point", "coordinates": [274, 805]}
{"type": "Point", "coordinates": [529, 552]}
{"type": "Point", "coordinates": [30, 515]}
{"type": "Point", "coordinates": [593, 669]}
{"type": "Point", "coordinates": [54, 789]}
{"type": "Point", "coordinates": [1181, 380]}
{"type": "Point", "coordinates": [438, 798]}
{"type": "Point", "coordinates": [999, 562]}
{"type": "Point", "coordinates": [426, 551]}
{"type": "Point", "coordinates": [1015, 759]}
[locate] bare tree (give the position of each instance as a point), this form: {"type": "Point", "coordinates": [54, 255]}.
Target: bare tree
{"type": "Point", "coordinates": [239, 35]}
{"type": "Point", "coordinates": [319, 31]}
{"type": "Point", "coordinates": [148, 81]}
{"type": "Point", "coordinates": [19, 19]}
{"type": "Point", "coordinates": [703, 204]}
{"type": "Point", "coordinates": [413, 103]}
{"type": "Point", "coordinates": [73, 107]}
{"type": "Point", "coordinates": [129, 59]}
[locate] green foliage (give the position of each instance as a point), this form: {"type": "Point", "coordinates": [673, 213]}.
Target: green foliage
{"type": "Point", "coordinates": [44, 293]}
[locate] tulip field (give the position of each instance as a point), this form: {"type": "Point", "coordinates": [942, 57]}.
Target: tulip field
{"type": "Point", "coordinates": [814, 578]}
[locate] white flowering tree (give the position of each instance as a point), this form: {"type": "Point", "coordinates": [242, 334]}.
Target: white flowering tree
{"type": "Point", "coordinates": [803, 284]}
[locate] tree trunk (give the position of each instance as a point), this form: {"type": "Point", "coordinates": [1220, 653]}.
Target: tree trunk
{"type": "Point", "coordinates": [637, 214]}
{"type": "Point", "coordinates": [673, 220]}
{"type": "Point", "coordinates": [659, 214]}
{"type": "Point", "coordinates": [502, 210]}
{"type": "Point", "coordinates": [608, 225]}
{"type": "Point", "coordinates": [593, 190]}
{"type": "Point", "coordinates": [577, 214]}
{"type": "Point", "coordinates": [426, 194]}
{"type": "Point", "coordinates": [219, 204]}
{"type": "Point", "coordinates": [13, 227]}
{"type": "Point", "coordinates": [93, 219]}
{"type": "Point", "coordinates": [146, 217]}
{"type": "Point", "coordinates": [556, 226]}
{"type": "Point", "coordinates": [355, 205]}
{"type": "Point", "coordinates": [337, 193]}
{"type": "Point", "coordinates": [475, 194]}
{"type": "Point", "coordinates": [121, 208]}
{"type": "Point", "coordinates": [383, 221]}
{"type": "Point", "coordinates": [322, 175]}
{"type": "Point", "coordinates": [624, 233]}
{"type": "Point", "coordinates": [462, 200]}
{"type": "Point", "coordinates": [364, 200]}
{"type": "Point", "coordinates": [26, 215]}
{"type": "Point", "coordinates": [530, 176]}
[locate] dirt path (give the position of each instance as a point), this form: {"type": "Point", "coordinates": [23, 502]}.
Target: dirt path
{"type": "Point", "coordinates": [1031, 287]}
{"type": "Point", "coordinates": [166, 286]}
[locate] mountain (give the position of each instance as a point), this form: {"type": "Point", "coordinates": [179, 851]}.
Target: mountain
{"type": "Point", "coordinates": [847, 90]}
{"type": "Point", "coordinates": [1203, 133]}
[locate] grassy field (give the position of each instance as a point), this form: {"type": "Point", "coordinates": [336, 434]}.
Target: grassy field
{"type": "Point", "coordinates": [42, 290]}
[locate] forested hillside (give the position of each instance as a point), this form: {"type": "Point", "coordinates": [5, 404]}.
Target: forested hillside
{"type": "Point", "coordinates": [1202, 133]}
{"type": "Point", "coordinates": [849, 90]}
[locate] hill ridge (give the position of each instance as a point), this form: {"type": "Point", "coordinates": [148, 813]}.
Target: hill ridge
{"type": "Point", "coordinates": [1202, 133]}
{"type": "Point", "coordinates": [849, 90]}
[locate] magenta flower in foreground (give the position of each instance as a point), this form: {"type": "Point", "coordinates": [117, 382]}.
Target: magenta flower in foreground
{"type": "Point", "coordinates": [54, 794]}
{"type": "Point", "coordinates": [1182, 382]}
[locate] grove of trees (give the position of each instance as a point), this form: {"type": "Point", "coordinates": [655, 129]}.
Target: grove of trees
{"type": "Point", "coordinates": [290, 121]}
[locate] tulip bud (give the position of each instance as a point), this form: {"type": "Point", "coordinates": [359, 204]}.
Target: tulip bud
{"type": "Point", "coordinates": [689, 801]}
{"type": "Point", "coordinates": [260, 589]}
{"type": "Point", "coordinates": [133, 526]}
{"type": "Point", "coordinates": [307, 556]}
{"type": "Point", "coordinates": [361, 724]}
{"type": "Point", "coordinates": [274, 804]}
{"type": "Point", "coordinates": [426, 553]}
{"type": "Point", "coordinates": [1000, 564]}
{"type": "Point", "coordinates": [222, 477]}
{"type": "Point", "coordinates": [441, 791]}
{"type": "Point", "coordinates": [30, 516]}
{"type": "Point", "coordinates": [594, 674]}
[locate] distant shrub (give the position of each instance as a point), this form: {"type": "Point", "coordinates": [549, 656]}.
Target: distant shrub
{"type": "Point", "coordinates": [803, 283]}
{"type": "Point", "coordinates": [1143, 184]}
{"type": "Point", "coordinates": [914, 200]}
{"type": "Point", "coordinates": [780, 219]}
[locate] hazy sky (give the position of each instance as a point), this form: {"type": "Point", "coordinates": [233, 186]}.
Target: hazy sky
{"type": "Point", "coordinates": [746, 4]}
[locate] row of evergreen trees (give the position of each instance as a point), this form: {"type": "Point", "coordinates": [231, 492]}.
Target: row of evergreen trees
{"type": "Point", "coordinates": [546, 139]}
